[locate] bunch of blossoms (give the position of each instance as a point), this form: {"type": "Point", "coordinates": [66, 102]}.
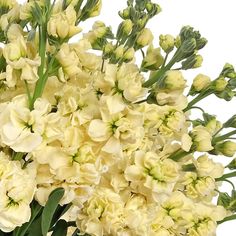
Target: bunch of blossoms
{"type": "Point", "coordinates": [94, 144]}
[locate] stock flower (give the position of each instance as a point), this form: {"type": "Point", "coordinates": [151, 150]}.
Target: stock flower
{"type": "Point", "coordinates": [17, 191]}
{"type": "Point", "coordinates": [153, 59]}
{"type": "Point", "coordinates": [201, 139]}
{"type": "Point", "coordinates": [174, 80]}
{"type": "Point", "coordinates": [62, 24]}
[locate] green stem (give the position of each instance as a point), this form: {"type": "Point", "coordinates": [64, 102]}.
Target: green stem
{"type": "Point", "coordinates": [202, 95]}
{"type": "Point", "coordinates": [159, 74]}
{"type": "Point", "coordinates": [223, 137]}
{"type": "Point", "coordinates": [165, 60]}
{"type": "Point", "coordinates": [226, 176]}
{"type": "Point", "coordinates": [199, 108]}
{"type": "Point", "coordinates": [228, 181]}
{"type": "Point", "coordinates": [17, 156]}
{"type": "Point", "coordinates": [178, 155]}
{"type": "Point", "coordinates": [228, 218]}
{"type": "Point", "coordinates": [218, 131]}
{"type": "Point", "coordinates": [42, 53]}
{"type": "Point", "coordinates": [28, 91]}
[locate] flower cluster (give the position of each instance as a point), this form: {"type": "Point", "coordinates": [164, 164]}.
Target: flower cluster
{"type": "Point", "coordinates": [121, 145]}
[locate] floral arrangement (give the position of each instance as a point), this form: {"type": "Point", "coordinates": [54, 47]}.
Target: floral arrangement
{"type": "Point", "coordinates": [94, 144]}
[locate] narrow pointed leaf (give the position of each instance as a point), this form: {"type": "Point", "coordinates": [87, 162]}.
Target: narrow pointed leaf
{"type": "Point", "coordinates": [50, 209]}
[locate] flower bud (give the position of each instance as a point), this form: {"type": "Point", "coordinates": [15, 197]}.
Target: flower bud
{"type": "Point", "coordinates": [201, 82]}
{"type": "Point", "coordinates": [220, 84]}
{"type": "Point", "coordinates": [227, 148]}
{"type": "Point", "coordinates": [198, 61]}
{"type": "Point", "coordinates": [95, 10]}
{"type": "Point", "coordinates": [228, 71]}
{"type": "Point", "coordinates": [232, 164]}
{"type": "Point", "coordinates": [188, 46]}
{"type": "Point", "coordinates": [174, 80]}
{"type": "Point", "coordinates": [153, 60]}
{"type": "Point", "coordinates": [177, 41]}
{"type": "Point", "coordinates": [125, 14]}
{"type": "Point", "coordinates": [153, 9]}
{"type": "Point", "coordinates": [129, 55]}
{"type": "Point", "coordinates": [145, 38]}
{"type": "Point", "coordinates": [108, 48]}
{"type": "Point", "coordinates": [194, 61]}
{"type": "Point", "coordinates": [119, 52]}
{"type": "Point", "coordinates": [124, 29]}
{"type": "Point", "coordinates": [142, 22]}
{"type": "Point", "coordinates": [167, 42]}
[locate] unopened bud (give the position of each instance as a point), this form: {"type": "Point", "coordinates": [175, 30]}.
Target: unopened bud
{"type": "Point", "coordinates": [145, 38]}
{"type": "Point", "coordinates": [153, 9]}
{"type": "Point", "coordinates": [124, 29]}
{"type": "Point", "coordinates": [198, 61]}
{"type": "Point", "coordinates": [228, 71]}
{"type": "Point", "coordinates": [201, 82]}
{"type": "Point", "coordinates": [125, 14]}
{"type": "Point", "coordinates": [129, 55]}
{"type": "Point", "coordinates": [167, 42]}
{"type": "Point", "coordinates": [119, 52]}
{"type": "Point", "coordinates": [227, 148]}
{"type": "Point", "coordinates": [232, 164]}
{"type": "Point", "coordinates": [194, 61]}
{"type": "Point", "coordinates": [220, 84]}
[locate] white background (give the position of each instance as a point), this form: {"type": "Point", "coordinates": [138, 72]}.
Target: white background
{"type": "Point", "coordinates": [216, 20]}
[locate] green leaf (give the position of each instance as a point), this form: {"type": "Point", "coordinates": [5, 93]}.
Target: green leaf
{"type": "Point", "coordinates": [60, 228]}
{"type": "Point", "coordinates": [35, 227]}
{"type": "Point", "coordinates": [50, 208]}
{"type": "Point", "coordinates": [60, 211]}
{"type": "Point", "coordinates": [35, 211]}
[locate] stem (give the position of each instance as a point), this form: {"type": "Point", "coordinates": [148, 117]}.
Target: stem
{"type": "Point", "coordinates": [178, 155]}
{"type": "Point", "coordinates": [226, 180]}
{"type": "Point", "coordinates": [76, 232]}
{"type": "Point", "coordinates": [226, 176]}
{"type": "Point", "coordinates": [228, 218]}
{"type": "Point", "coordinates": [218, 131]}
{"type": "Point", "coordinates": [202, 95]}
{"type": "Point", "coordinates": [17, 156]}
{"type": "Point", "coordinates": [42, 53]}
{"type": "Point", "coordinates": [165, 60]}
{"type": "Point", "coordinates": [102, 68]}
{"type": "Point", "coordinates": [223, 137]}
{"type": "Point", "coordinates": [159, 74]}
{"type": "Point", "coordinates": [199, 108]}
{"type": "Point", "coordinates": [143, 54]}
{"type": "Point", "coordinates": [28, 91]}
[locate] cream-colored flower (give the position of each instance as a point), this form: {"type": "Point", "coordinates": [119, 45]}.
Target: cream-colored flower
{"type": "Point", "coordinates": [153, 60]}
{"type": "Point", "coordinates": [174, 80]}
{"type": "Point", "coordinates": [207, 167]}
{"type": "Point", "coordinates": [148, 170]}
{"type": "Point", "coordinates": [62, 24]}
{"type": "Point", "coordinates": [201, 139]}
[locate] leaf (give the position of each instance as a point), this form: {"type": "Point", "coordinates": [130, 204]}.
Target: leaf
{"type": "Point", "coordinates": [35, 211]}
{"type": "Point", "coordinates": [35, 227]}
{"type": "Point", "coordinates": [60, 228]}
{"type": "Point", "coordinates": [50, 208]}
{"type": "Point", "coordinates": [60, 211]}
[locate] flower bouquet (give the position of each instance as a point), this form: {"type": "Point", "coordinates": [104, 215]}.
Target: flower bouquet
{"type": "Point", "coordinates": [94, 144]}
